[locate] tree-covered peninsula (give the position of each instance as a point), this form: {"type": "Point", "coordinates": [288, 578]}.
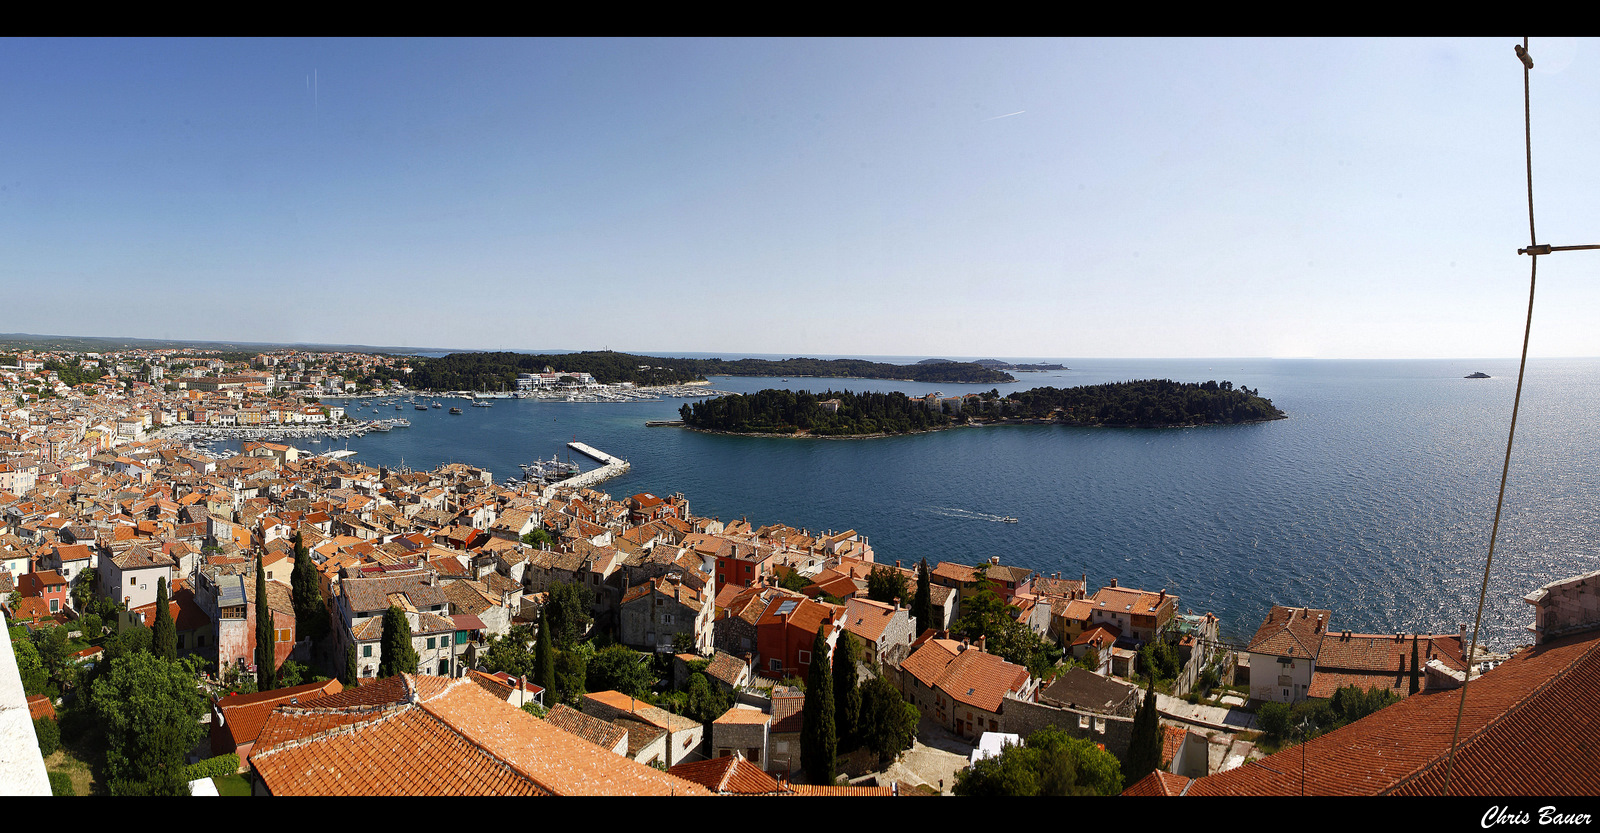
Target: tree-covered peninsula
{"type": "Point", "coordinates": [498, 371]}
{"type": "Point", "coordinates": [1148, 403]}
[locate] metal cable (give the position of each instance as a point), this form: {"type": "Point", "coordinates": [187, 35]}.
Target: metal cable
{"type": "Point", "coordinates": [1483, 591]}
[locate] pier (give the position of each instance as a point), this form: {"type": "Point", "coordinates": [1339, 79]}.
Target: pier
{"type": "Point", "coordinates": [611, 467]}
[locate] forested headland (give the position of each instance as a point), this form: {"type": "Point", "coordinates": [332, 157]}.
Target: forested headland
{"type": "Point", "coordinates": [1147, 403]}
{"type": "Point", "coordinates": [498, 371]}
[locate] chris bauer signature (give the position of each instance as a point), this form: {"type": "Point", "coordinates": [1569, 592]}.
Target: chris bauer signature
{"type": "Point", "coordinates": [1547, 815]}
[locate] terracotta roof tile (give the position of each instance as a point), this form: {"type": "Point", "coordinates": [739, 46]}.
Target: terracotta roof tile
{"type": "Point", "coordinates": [441, 737]}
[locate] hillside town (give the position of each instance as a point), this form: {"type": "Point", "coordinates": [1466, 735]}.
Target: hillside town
{"type": "Point", "coordinates": [328, 617]}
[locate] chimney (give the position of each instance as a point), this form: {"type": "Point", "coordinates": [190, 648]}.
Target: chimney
{"type": "Point", "coordinates": [1113, 582]}
{"type": "Point", "coordinates": [1463, 637]}
{"type": "Point", "coordinates": [995, 560]}
{"type": "Point", "coordinates": [982, 640]}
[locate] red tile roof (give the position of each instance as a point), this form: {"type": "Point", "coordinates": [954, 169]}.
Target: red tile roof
{"type": "Point", "coordinates": [1528, 729]}
{"type": "Point", "coordinates": [440, 737]}
{"type": "Point", "coordinates": [1291, 631]}
{"type": "Point", "coordinates": [244, 714]}
{"type": "Point", "coordinates": [732, 775]}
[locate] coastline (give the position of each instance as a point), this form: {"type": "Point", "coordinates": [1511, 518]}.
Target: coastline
{"type": "Point", "coordinates": [993, 424]}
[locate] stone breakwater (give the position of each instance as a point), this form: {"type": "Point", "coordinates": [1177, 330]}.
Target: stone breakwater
{"type": "Point", "coordinates": [612, 467]}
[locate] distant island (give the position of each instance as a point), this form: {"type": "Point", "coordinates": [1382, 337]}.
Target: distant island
{"type": "Point", "coordinates": [1149, 403]}
{"type": "Point", "coordinates": [1479, 375]}
{"type": "Point", "coordinates": [498, 371]}
{"type": "Point", "coordinates": [996, 364]}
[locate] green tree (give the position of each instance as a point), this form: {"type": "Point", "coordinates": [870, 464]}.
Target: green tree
{"type": "Point", "coordinates": [887, 584]}
{"type": "Point", "coordinates": [266, 653]}
{"type": "Point", "coordinates": [846, 694]}
{"type": "Point", "coordinates": [399, 655]}
{"type": "Point", "coordinates": [922, 604]}
{"type": "Point", "coordinates": [351, 671]}
{"type": "Point", "coordinates": [133, 639]}
{"type": "Point", "coordinates": [706, 702]}
{"type": "Point", "coordinates": [568, 611]}
{"type": "Point", "coordinates": [310, 611]}
{"type": "Point", "coordinates": [48, 733]}
{"type": "Point", "coordinates": [888, 724]}
{"type": "Point", "coordinates": [544, 660]}
{"type": "Point", "coordinates": [538, 538]}
{"type": "Point", "coordinates": [571, 668]}
{"type": "Point", "coordinates": [35, 679]}
{"type": "Point", "coordinates": [1273, 718]}
{"type": "Point", "coordinates": [83, 589]}
{"type": "Point", "coordinates": [1051, 762]}
{"type": "Point", "coordinates": [510, 653]}
{"type": "Point", "coordinates": [149, 710]}
{"type": "Point", "coordinates": [619, 668]}
{"type": "Point", "coordinates": [792, 580]}
{"type": "Point", "coordinates": [164, 634]}
{"type": "Point", "coordinates": [1145, 745]}
{"type": "Point", "coordinates": [818, 739]}
{"type": "Point", "coordinates": [55, 654]}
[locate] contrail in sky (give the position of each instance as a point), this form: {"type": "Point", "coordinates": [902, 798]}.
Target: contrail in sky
{"type": "Point", "coordinates": [1006, 116]}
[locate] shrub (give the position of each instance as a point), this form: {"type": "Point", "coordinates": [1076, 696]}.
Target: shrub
{"type": "Point", "coordinates": [61, 784]}
{"type": "Point", "coordinates": [1273, 718]}
{"type": "Point", "coordinates": [49, 735]}
{"type": "Point", "coordinates": [214, 767]}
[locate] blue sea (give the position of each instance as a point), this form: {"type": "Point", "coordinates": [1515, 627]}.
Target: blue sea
{"type": "Point", "coordinates": [1374, 499]}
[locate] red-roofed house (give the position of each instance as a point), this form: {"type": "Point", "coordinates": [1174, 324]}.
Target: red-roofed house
{"type": "Point", "coordinates": [48, 586]}
{"type": "Point", "coordinates": [786, 632]}
{"type": "Point", "coordinates": [236, 720]}
{"type": "Point", "coordinates": [1283, 653]}
{"type": "Point", "coordinates": [962, 688]}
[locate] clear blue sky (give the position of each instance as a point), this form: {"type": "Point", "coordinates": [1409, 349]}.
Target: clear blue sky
{"type": "Point", "coordinates": [1023, 198]}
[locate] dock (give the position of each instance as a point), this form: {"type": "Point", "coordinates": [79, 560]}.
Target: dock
{"type": "Point", "coordinates": [610, 467]}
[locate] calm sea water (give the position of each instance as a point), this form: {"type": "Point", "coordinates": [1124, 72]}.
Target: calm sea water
{"type": "Point", "coordinates": [1374, 499]}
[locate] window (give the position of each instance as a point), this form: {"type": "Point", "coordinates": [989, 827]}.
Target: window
{"type": "Point", "coordinates": [666, 618]}
{"type": "Point", "coordinates": [199, 641]}
{"type": "Point", "coordinates": [55, 605]}
{"type": "Point", "coordinates": [749, 568]}
{"type": "Point", "coordinates": [776, 665]}
{"type": "Point", "coordinates": [461, 637]}
{"type": "Point", "coordinates": [805, 657]}
{"type": "Point", "coordinates": [366, 650]}
{"type": "Point", "coordinates": [285, 635]}
{"type": "Point", "coordinates": [430, 642]}
{"type": "Point", "coordinates": [132, 580]}
{"type": "Point", "coordinates": [181, 642]}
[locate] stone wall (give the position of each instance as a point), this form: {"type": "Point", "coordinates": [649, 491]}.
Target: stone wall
{"type": "Point", "coordinates": [1024, 718]}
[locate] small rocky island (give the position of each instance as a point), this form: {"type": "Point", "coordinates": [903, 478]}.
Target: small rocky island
{"type": "Point", "coordinates": [1148, 403]}
{"type": "Point", "coordinates": [1479, 375]}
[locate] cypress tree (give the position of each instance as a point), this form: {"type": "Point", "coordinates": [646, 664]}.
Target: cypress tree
{"type": "Point", "coordinates": [1416, 674]}
{"type": "Point", "coordinates": [351, 672]}
{"type": "Point", "coordinates": [164, 634]}
{"type": "Point", "coordinates": [818, 740]}
{"type": "Point", "coordinates": [544, 661]}
{"type": "Point", "coordinates": [922, 605]}
{"type": "Point", "coordinates": [310, 611]}
{"type": "Point", "coordinates": [399, 656]}
{"type": "Point", "coordinates": [1144, 745]}
{"type": "Point", "coordinates": [846, 695]}
{"type": "Point", "coordinates": [266, 657]}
